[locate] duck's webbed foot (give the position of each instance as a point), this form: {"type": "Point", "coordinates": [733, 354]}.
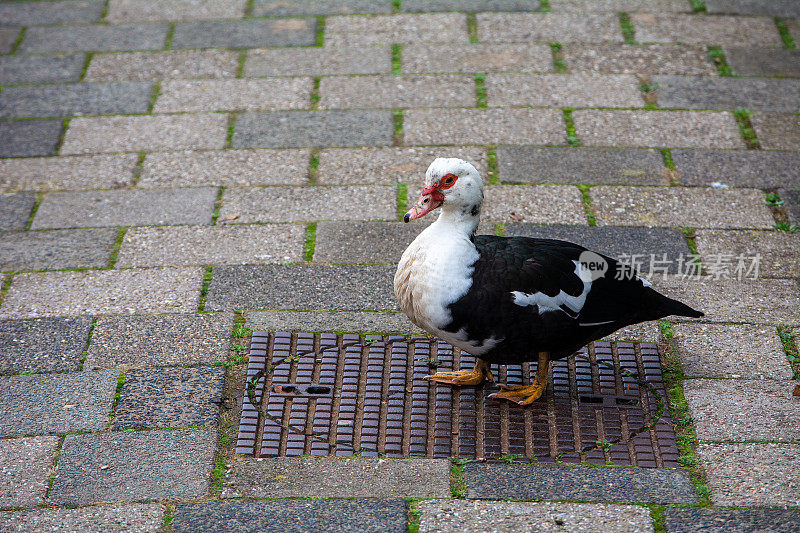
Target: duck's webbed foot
{"type": "Point", "coordinates": [476, 376]}
{"type": "Point", "coordinates": [527, 394]}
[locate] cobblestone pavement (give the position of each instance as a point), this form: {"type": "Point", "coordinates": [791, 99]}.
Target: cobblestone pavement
{"type": "Point", "coordinates": [175, 172]}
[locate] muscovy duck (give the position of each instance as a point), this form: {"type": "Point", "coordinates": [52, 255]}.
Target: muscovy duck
{"type": "Point", "coordinates": [511, 299]}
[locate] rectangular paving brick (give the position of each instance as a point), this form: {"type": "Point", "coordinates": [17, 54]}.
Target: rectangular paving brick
{"type": "Point", "coordinates": [51, 250]}
{"type": "Point", "coordinates": [212, 245]}
{"type": "Point", "coordinates": [145, 518]}
{"type": "Point", "coordinates": [668, 129]}
{"type": "Point", "coordinates": [158, 290]}
{"type": "Point", "coordinates": [296, 204]}
{"type": "Point", "coordinates": [56, 403]}
{"type": "Point", "coordinates": [26, 468]}
{"type": "Point", "coordinates": [234, 95]}
{"type": "Point", "coordinates": [163, 65]}
{"type": "Point", "coordinates": [738, 168]}
{"type": "Point", "coordinates": [226, 168]}
{"type": "Point", "coordinates": [76, 99]}
{"type": "Point", "coordinates": [546, 482]}
{"type": "Point", "coordinates": [563, 90]}
{"type": "Point", "coordinates": [718, 30]}
{"type": "Point", "coordinates": [337, 477]}
{"type": "Point", "coordinates": [349, 288]}
{"type": "Point", "coordinates": [134, 134]}
{"type": "Point", "coordinates": [397, 29]}
{"type": "Point", "coordinates": [397, 91]}
{"type": "Point", "coordinates": [731, 351]}
{"type": "Point", "coordinates": [344, 166]}
{"type": "Point", "coordinates": [152, 10]}
{"type": "Point", "coordinates": [275, 8]}
{"type": "Point", "coordinates": [314, 128]}
{"type": "Point", "coordinates": [729, 520]}
{"type": "Point", "coordinates": [97, 38]}
{"type": "Point", "coordinates": [776, 8]}
{"type": "Point", "coordinates": [638, 59]}
{"type": "Point", "coordinates": [8, 39]}
{"type": "Point", "coordinates": [764, 475]}
{"type": "Point", "coordinates": [363, 242]}
{"type": "Point", "coordinates": [159, 340]}
{"type": "Point", "coordinates": [484, 126]}
{"type": "Point", "coordinates": [777, 131]}
{"type": "Point", "coordinates": [763, 61]}
{"type": "Point", "coordinates": [316, 61]}
{"type": "Point", "coordinates": [330, 321]}
{"type": "Point", "coordinates": [791, 199]}
{"type": "Point", "coordinates": [470, 5]}
{"type": "Point", "coordinates": [134, 466]}
{"type": "Point", "coordinates": [30, 137]}
{"type": "Point", "coordinates": [779, 252]}
{"type": "Point", "coordinates": [536, 164]}
{"type": "Point", "coordinates": [15, 210]}
{"type": "Point", "coordinates": [67, 173]}
{"type": "Point", "coordinates": [126, 208]}
{"type": "Point", "coordinates": [478, 57]}
{"type": "Point", "coordinates": [43, 344]}
{"type": "Point", "coordinates": [251, 33]}
{"type": "Point", "coordinates": [39, 13]}
{"type": "Point", "coordinates": [41, 69]}
{"type": "Point", "coordinates": [623, 6]}
{"type": "Point", "coordinates": [700, 92]}
{"type": "Point", "coordinates": [676, 207]}
{"type": "Point", "coordinates": [549, 27]}
{"type": "Point", "coordinates": [555, 204]}
{"type": "Point", "coordinates": [367, 515]}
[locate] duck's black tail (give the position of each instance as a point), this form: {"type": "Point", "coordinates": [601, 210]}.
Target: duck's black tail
{"type": "Point", "coordinates": [667, 306]}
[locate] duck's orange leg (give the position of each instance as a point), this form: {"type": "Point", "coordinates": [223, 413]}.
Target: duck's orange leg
{"type": "Point", "coordinates": [526, 395]}
{"type": "Point", "coordinates": [475, 376]}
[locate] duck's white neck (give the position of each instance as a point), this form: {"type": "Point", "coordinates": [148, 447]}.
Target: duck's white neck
{"type": "Point", "coordinates": [462, 219]}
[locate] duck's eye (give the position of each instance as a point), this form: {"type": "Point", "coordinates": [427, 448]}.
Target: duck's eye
{"type": "Point", "coordinates": [447, 181]}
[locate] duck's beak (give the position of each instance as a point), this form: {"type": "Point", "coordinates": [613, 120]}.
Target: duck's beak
{"type": "Point", "coordinates": [431, 198]}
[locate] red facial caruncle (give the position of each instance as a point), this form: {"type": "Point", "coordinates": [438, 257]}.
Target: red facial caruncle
{"type": "Point", "coordinates": [431, 197]}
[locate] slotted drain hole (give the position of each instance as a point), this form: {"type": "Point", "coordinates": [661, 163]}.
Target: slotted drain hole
{"type": "Point", "coordinates": [342, 395]}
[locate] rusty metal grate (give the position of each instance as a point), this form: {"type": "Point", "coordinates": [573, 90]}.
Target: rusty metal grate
{"type": "Point", "coordinates": [345, 394]}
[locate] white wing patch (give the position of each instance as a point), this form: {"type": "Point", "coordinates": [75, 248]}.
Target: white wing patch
{"type": "Point", "coordinates": [553, 303]}
{"type": "Point", "coordinates": [644, 282]}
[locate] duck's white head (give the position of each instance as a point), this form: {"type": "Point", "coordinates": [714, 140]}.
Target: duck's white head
{"type": "Point", "coordinates": [453, 184]}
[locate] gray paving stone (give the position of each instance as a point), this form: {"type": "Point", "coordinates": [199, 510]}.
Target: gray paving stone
{"type": "Point", "coordinates": [69, 172]}
{"type": "Point", "coordinates": [153, 10]}
{"type": "Point", "coordinates": [397, 29]}
{"type": "Point", "coordinates": [470, 5]}
{"type": "Point", "coordinates": [344, 166]}
{"type": "Point", "coordinates": [738, 168]}
{"type": "Point", "coordinates": [779, 252]}
{"type": "Point", "coordinates": [345, 287]}
{"type": "Point", "coordinates": [643, 332]}
{"type": "Point", "coordinates": [477, 57]}
{"type": "Point", "coordinates": [52, 250]}
{"type": "Point", "coordinates": [723, 409]}
{"type": "Point", "coordinates": [137, 134]}
{"type": "Point", "coordinates": [777, 131]}
{"type": "Point", "coordinates": [234, 95]}
{"type": "Point", "coordinates": [212, 245]}
{"type": "Point", "coordinates": [157, 290]}
{"type": "Point", "coordinates": [643, 247]}
{"type": "Point", "coordinates": [25, 466]}
{"type": "Point", "coordinates": [791, 198]}
{"type": "Point", "coordinates": [42, 345]}
{"type": "Point", "coordinates": [319, 7]}
{"type": "Point", "coordinates": [623, 6]}
{"type": "Point", "coordinates": [292, 516]}
{"type": "Point", "coordinates": [134, 466]}
{"type": "Point", "coordinates": [476, 516]}
{"type": "Point", "coordinates": [224, 168]}
{"type": "Point", "coordinates": [765, 475]}
{"type": "Point", "coordinates": [337, 477]}
{"type": "Point", "coordinates": [731, 351]}
{"type": "Point", "coordinates": [163, 65]}
{"type": "Point", "coordinates": [549, 27]}
{"type": "Point", "coordinates": [772, 8]}
{"type": "Point", "coordinates": [245, 33]}
{"type": "Point", "coordinates": [597, 166]}
{"type": "Point", "coordinates": [717, 30]}
{"type": "Point", "coordinates": [170, 398]}
{"type": "Point", "coordinates": [638, 59]}
{"type": "Point", "coordinates": [364, 242]}
{"type": "Point", "coordinates": [763, 61]}
{"type": "Point", "coordinates": [315, 61]}
{"type": "Point", "coordinates": [29, 137]}
{"type": "Point", "coordinates": [296, 204]}
{"type": "Point", "coordinates": [545, 482]}
{"type": "Point", "coordinates": [97, 38]}
{"type": "Point", "coordinates": [484, 126]}
{"type": "Point", "coordinates": [678, 206]}
{"type": "Point", "coordinates": [397, 91]}
{"type": "Point", "coordinates": [687, 519]}
{"type": "Point", "coordinates": [8, 39]}
{"type": "Point", "coordinates": [156, 340]}
{"type": "Point", "coordinates": [40, 69]}
{"type": "Point", "coordinates": [37, 13]}
{"type": "Point", "coordinates": [56, 403]}
{"type": "Point", "coordinates": [555, 204]}
{"type": "Point", "coordinates": [330, 321]}
{"type": "Point", "coordinates": [699, 92]}
{"type": "Point", "coordinates": [15, 209]}
{"type": "Point", "coordinates": [314, 128]}
{"type": "Point", "coordinates": [146, 518]}
{"type": "Point", "coordinates": [76, 99]}
{"type": "Point", "coordinates": [126, 208]}
{"type": "Point", "coordinates": [563, 90]}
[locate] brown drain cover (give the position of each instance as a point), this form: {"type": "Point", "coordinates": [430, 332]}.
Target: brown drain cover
{"type": "Point", "coordinates": [346, 394]}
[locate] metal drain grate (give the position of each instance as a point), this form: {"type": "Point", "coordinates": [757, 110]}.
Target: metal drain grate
{"type": "Point", "coordinates": [346, 394]}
